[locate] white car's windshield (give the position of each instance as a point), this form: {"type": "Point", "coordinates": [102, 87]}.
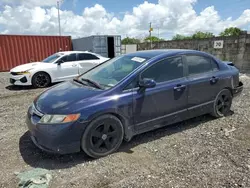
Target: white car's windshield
{"type": "Point", "coordinates": [113, 71]}
{"type": "Point", "coordinates": [51, 58]}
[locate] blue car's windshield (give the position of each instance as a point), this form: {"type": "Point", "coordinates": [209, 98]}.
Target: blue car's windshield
{"type": "Point", "coordinates": [51, 58]}
{"type": "Point", "coordinates": [113, 71]}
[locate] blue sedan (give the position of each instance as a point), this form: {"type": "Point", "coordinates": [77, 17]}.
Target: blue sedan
{"type": "Point", "coordinates": [129, 95]}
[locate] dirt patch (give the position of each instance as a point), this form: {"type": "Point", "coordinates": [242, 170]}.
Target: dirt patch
{"type": "Point", "coordinates": [201, 152]}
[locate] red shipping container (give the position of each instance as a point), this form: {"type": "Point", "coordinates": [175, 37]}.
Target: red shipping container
{"type": "Point", "coordinates": [20, 49]}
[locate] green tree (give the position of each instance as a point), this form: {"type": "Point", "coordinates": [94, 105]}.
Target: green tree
{"type": "Point", "coordinates": [197, 35]}
{"type": "Point", "coordinates": [128, 40]}
{"type": "Point", "coordinates": [202, 35]}
{"type": "Point", "coordinates": [153, 38]}
{"type": "Point", "coordinates": [180, 37]}
{"type": "Point", "coordinates": [231, 31]}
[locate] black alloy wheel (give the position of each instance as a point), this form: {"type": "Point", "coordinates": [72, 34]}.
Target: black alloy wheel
{"type": "Point", "coordinates": [103, 136]}
{"type": "Point", "coordinates": [222, 103]}
{"type": "Point", "coordinates": [41, 80]}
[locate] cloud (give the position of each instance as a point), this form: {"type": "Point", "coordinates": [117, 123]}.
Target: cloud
{"type": "Point", "coordinates": [171, 16]}
{"type": "Point", "coordinates": [30, 3]}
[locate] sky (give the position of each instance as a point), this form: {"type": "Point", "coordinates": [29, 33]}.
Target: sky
{"type": "Point", "coordinates": [129, 18]}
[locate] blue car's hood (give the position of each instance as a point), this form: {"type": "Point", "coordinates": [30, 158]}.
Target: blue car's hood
{"type": "Point", "coordinates": [60, 98]}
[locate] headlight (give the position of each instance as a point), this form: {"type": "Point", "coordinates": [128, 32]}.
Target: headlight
{"type": "Point", "coordinates": [24, 72]}
{"type": "Point", "coordinates": [53, 119]}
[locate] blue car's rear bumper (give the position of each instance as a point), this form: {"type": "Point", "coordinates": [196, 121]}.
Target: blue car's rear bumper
{"type": "Point", "coordinates": [238, 90]}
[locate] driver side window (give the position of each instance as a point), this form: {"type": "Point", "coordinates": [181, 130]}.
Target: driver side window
{"type": "Point", "coordinates": [165, 70]}
{"type": "Point", "coordinates": [69, 58]}
{"type": "Point", "coordinates": [133, 84]}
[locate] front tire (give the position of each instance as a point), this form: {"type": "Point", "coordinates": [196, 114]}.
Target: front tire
{"type": "Point", "coordinates": [41, 80]}
{"type": "Point", "coordinates": [102, 136]}
{"type": "Point", "coordinates": [222, 104]}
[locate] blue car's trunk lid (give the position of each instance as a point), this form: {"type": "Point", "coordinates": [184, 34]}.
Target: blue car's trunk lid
{"type": "Point", "coordinates": [228, 63]}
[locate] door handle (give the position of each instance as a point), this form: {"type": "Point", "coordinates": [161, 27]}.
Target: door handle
{"type": "Point", "coordinates": [74, 65]}
{"type": "Point", "coordinates": [179, 87]}
{"type": "Point", "coordinates": [214, 79]}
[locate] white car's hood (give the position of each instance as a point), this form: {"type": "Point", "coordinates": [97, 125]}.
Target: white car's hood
{"type": "Point", "coordinates": [25, 67]}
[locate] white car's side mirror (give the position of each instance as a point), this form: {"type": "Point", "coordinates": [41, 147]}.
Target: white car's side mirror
{"type": "Point", "coordinates": [59, 62]}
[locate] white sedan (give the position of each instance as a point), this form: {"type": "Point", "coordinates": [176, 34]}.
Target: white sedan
{"type": "Point", "coordinates": [58, 67]}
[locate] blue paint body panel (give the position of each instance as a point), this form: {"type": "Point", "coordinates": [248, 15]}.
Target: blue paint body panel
{"type": "Point", "coordinates": [139, 111]}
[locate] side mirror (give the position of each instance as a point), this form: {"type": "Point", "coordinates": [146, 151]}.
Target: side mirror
{"type": "Point", "coordinates": [147, 83]}
{"type": "Point", "coordinates": [59, 62]}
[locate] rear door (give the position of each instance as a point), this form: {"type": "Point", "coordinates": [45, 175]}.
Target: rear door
{"type": "Point", "coordinates": [204, 83]}
{"type": "Point", "coordinates": [87, 61]}
{"type": "Point", "coordinates": [165, 103]}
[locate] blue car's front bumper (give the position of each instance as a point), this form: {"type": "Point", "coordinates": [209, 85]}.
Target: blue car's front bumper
{"type": "Point", "coordinates": [56, 138]}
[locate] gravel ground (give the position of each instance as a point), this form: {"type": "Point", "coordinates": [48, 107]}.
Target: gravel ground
{"type": "Point", "coordinates": [201, 152]}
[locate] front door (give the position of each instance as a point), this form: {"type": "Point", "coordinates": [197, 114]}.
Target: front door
{"type": "Point", "coordinates": [204, 83]}
{"type": "Point", "coordinates": [67, 69]}
{"type": "Point", "coordinates": [166, 103]}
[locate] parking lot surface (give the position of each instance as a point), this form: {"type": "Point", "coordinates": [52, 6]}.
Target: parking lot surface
{"type": "Point", "coordinates": [201, 152]}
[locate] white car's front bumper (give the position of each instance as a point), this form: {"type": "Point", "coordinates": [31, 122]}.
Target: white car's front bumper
{"type": "Point", "coordinates": [22, 80]}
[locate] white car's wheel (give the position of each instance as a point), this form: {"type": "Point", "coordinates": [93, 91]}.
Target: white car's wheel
{"type": "Point", "coordinates": [41, 80]}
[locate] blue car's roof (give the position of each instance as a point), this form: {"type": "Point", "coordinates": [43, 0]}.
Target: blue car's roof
{"type": "Point", "coordinates": [154, 53]}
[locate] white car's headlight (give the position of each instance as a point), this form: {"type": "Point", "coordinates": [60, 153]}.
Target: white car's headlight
{"type": "Point", "coordinates": [53, 119]}
{"type": "Point", "coordinates": [24, 72]}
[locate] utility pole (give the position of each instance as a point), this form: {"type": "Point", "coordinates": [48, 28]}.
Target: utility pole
{"type": "Point", "coordinates": [59, 20]}
{"type": "Point", "coordinates": [158, 28]}
{"type": "Point", "coordinates": [150, 30]}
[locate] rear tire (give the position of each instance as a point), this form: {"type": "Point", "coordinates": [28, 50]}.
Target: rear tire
{"type": "Point", "coordinates": [41, 80]}
{"type": "Point", "coordinates": [102, 136]}
{"type": "Point", "coordinates": [222, 104]}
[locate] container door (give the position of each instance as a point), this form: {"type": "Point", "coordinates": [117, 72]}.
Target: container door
{"type": "Point", "coordinates": [123, 49]}
{"type": "Point", "coordinates": [117, 45]}
{"type": "Point", "coordinates": [100, 45]}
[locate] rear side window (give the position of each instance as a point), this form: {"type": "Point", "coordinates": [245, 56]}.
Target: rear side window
{"type": "Point", "coordinates": [68, 58]}
{"type": "Point", "coordinates": [200, 64]}
{"type": "Point", "coordinates": [85, 56]}
{"type": "Point", "coordinates": [165, 70]}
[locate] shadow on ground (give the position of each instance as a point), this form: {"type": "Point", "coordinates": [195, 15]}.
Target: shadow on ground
{"type": "Point", "coordinates": [19, 88]}
{"type": "Point", "coordinates": [37, 158]}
